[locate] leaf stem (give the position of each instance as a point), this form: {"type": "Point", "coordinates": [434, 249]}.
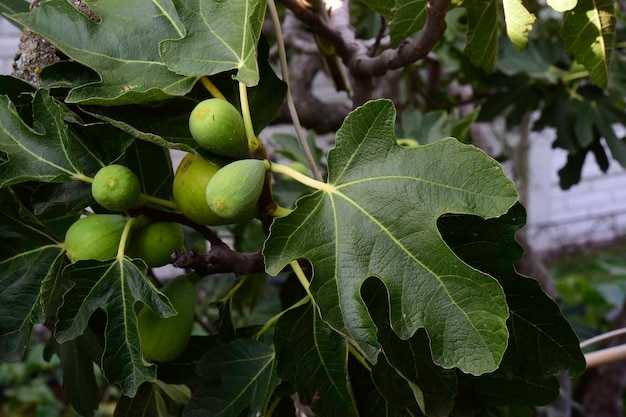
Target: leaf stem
{"type": "Point", "coordinates": [284, 69]}
{"type": "Point", "coordinates": [233, 290]}
{"type": "Point", "coordinates": [83, 178]}
{"type": "Point", "coordinates": [280, 211]}
{"type": "Point", "coordinates": [124, 239]}
{"type": "Point", "coordinates": [357, 355]}
{"type": "Point", "coordinates": [272, 407]}
{"type": "Point", "coordinates": [303, 279]}
{"type": "Point", "coordinates": [602, 337]}
{"type": "Point", "coordinates": [255, 145]}
{"type": "Point", "coordinates": [574, 76]}
{"type": "Point", "coordinates": [211, 88]}
{"type": "Point", "coordinates": [160, 201]}
{"type": "Point", "coordinates": [301, 178]}
{"type": "Point", "coordinates": [274, 319]}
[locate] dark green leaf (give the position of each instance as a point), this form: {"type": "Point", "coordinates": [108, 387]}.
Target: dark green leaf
{"type": "Point", "coordinates": [113, 286]}
{"type": "Point", "coordinates": [221, 36]}
{"type": "Point", "coordinates": [405, 17]}
{"type": "Point", "coordinates": [377, 217]}
{"type": "Point", "coordinates": [14, 6]}
{"type": "Point", "coordinates": [123, 47]}
{"type": "Point", "coordinates": [147, 402]}
{"type": "Point", "coordinates": [314, 358]}
{"type": "Point", "coordinates": [153, 166]}
{"type": "Point", "coordinates": [542, 341]}
{"type": "Point", "coordinates": [482, 33]}
{"type": "Point", "coordinates": [29, 255]}
{"type": "Point", "coordinates": [236, 376]}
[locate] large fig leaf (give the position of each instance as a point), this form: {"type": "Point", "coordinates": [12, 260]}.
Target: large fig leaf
{"type": "Point", "coordinates": [221, 36]}
{"type": "Point", "coordinates": [29, 255]}
{"type": "Point", "coordinates": [113, 286]}
{"type": "Point", "coordinates": [316, 363]}
{"type": "Point", "coordinates": [589, 34]}
{"type": "Point", "coordinates": [123, 47]}
{"type": "Point", "coordinates": [519, 21]}
{"type": "Point", "coordinates": [377, 216]}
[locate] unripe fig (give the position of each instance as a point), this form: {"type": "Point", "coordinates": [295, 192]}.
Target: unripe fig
{"type": "Point", "coordinates": [189, 189]}
{"type": "Point", "coordinates": [96, 236]}
{"type": "Point", "coordinates": [156, 242]}
{"type": "Point", "coordinates": [116, 188]}
{"type": "Point", "coordinates": [235, 189]}
{"type": "Point", "coordinates": [218, 127]}
{"type": "Point", "coordinates": [163, 339]}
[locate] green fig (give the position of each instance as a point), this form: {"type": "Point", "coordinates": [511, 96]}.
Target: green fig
{"type": "Point", "coordinates": [116, 188]}
{"type": "Point", "coordinates": [163, 339]}
{"type": "Point", "coordinates": [156, 242]}
{"type": "Point", "coordinates": [96, 236]}
{"type": "Point", "coordinates": [218, 127]}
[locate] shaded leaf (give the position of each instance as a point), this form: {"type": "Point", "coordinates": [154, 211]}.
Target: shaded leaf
{"type": "Point", "coordinates": [404, 17]}
{"type": "Point", "coordinates": [238, 375]}
{"type": "Point", "coordinates": [14, 6]}
{"type": "Point", "coordinates": [147, 402]}
{"type": "Point", "coordinates": [542, 342]}
{"type": "Point", "coordinates": [113, 286]}
{"type": "Point", "coordinates": [123, 47]}
{"type": "Point", "coordinates": [221, 36]}
{"type": "Point", "coordinates": [377, 217]}
{"type": "Point", "coordinates": [482, 33]}
{"type": "Point", "coordinates": [153, 166]}
{"type": "Point", "coordinates": [519, 22]}
{"type": "Point", "coordinates": [29, 255]}
{"type": "Point", "coordinates": [589, 34]}
{"type": "Point", "coordinates": [316, 364]}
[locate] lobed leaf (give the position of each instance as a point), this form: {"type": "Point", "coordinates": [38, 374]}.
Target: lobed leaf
{"type": "Point", "coordinates": [588, 31]}
{"type": "Point", "coordinates": [377, 217]}
{"type": "Point", "coordinates": [123, 47]}
{"type": "Point", "coordinates": [221, 36]}
{"type": "Point", "coordinates": [113, 286]}
{"type": "Point", "coordinates": [404, 17]}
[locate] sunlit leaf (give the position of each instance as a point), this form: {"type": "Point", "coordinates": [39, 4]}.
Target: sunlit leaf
{"type": "Point", "coordinates": [519, 21]}
{"type": "Point", "coordinates": [562, 5]}
{"type": "Point", "coordinates": [377, 217]}
{"type": "Point", "coordinates": [221, 36]}
{"type": "Point", "coordinates": [113, 286]}
{"type": "Point", "coordinates": [589, 34]}
{"type": "Point", "coordinates": [123, 47]}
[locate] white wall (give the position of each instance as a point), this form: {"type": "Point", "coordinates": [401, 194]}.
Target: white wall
{"type": "Point", "coordinates": [9, 40]}
{"type": "Point", "coordinates": [592, 211]}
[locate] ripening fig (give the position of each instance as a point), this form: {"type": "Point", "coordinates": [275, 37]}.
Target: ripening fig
{"type": "Point", "coordinates": [163, 339]}
{"type": "Point", "coordinates": [189, 189]}
{"type": "Point", "coordinates": [96, 236]}
{"type": "Point", "coordinates": [116, 188]}
{"type": "Point", "coordinates": [218, 127]}
{"type": "Point", "coordinates": [235, 189]}
{"type": "Point", "coordinates": [156, 242]}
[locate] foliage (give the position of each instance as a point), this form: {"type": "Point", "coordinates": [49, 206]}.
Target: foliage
{"type": "Point", "coordinates": [387, 289]}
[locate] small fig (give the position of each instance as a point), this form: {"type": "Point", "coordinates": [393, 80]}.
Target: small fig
{"type": "Point", "coordinates": [163, 339]}
{"type": "Point", "coordinates": [156, 242]}
{"type": "Point", "coordinates": [218, 127]}
{"type": "Point", "coordinates": [235, 189]}
{"type": "Point", "coordinates": [96, 236]}
{"type": "Point", "coordinates": [116, 188]}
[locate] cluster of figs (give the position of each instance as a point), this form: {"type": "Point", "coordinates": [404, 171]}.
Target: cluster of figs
{"type": "Point", "coordinates": [204, 191]}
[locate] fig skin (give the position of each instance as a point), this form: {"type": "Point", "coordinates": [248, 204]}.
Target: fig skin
{"type": "Point", "coordinates": [163, 339]}
{"type": "Point", "coordinates": [96, 236]}
{"type": "Point", "coordinates": [116, 188]}
{"type": "Point", "coordinates": [218, 127]}
{"type": "Point", "coordinates": [235, 189]}
{"type": "Point", "coordinates": [190, 181]}
{"type": "Point", "coordinates": [156, 242]}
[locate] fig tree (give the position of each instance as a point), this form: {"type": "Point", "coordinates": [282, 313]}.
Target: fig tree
{"type": "Point", "coordinates": [116, 188]}
{"type": "Point", "coordinates": [163, 339]}
{"type": "Point", "coordinates": [96, 236]}
{"type": "Point", "coordinates": [235, 189]}
{"type": "Point", "coordinates": [218, 127]}
{"type": "Point", "coordinates": [156, 242]}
